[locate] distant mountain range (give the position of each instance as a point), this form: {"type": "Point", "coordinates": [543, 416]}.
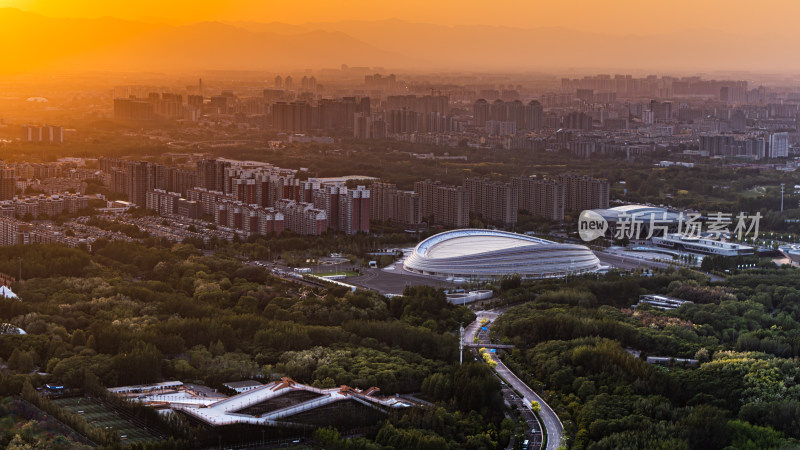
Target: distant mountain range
{"type": "Point", "coordinates": [33, 42]}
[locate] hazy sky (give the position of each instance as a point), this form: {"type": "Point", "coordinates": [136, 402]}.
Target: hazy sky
{"type": "Point", "coordinates": [618, 17]}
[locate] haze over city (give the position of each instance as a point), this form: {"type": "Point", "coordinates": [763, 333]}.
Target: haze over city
{"type": "Point", "coordinates": [309, 224]}
{"type": "Point", "coordinates": [681, 37]}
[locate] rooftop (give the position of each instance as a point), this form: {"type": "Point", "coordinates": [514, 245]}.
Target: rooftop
{"type": "Point", "coordinates": [272, 403]}
{"type": "Point", "coordinates": [242, 384]}
{"type": "Point", "coordinates": [6, 292]}
{"type": "Point", "coordinates": [473, 241]}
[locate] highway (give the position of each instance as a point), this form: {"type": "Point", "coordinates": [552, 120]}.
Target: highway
{"type": "Point", "coordinates": [552, 424]}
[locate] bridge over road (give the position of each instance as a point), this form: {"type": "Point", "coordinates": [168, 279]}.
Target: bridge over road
{"type": "Point", "coordinates": [479, 345]}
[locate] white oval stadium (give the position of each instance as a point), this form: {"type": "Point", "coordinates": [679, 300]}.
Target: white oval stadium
{"type": "Point", "coordinates": [490, 254]}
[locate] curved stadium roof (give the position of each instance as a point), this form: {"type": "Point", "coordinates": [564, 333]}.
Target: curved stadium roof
{"type": "Point", "coordinates": [486, 254]}
{"type": "Point", "coordinates": [640, 212]}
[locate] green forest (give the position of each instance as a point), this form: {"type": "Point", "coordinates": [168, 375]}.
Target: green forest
{"type": "Point", "coordinates": [139, 313]}
{"type": "Point", "coordinates": [585, 348]}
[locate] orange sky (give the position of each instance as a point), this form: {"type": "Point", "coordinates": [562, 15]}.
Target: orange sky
{"type": "Point", "coordinates": [591, 35]}
{"type": "Point", "coordinates": [608, 16]}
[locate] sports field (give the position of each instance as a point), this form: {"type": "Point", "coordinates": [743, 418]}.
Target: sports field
{"type": "Point", "coordinates": [102, 417]}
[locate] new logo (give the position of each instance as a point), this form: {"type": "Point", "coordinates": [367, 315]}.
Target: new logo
{"type": "Point", "coordinates": [591, 225]}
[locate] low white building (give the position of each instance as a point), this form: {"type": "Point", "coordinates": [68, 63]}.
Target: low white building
{"type": "Point", "coordinates": [6, 292]}
{"type": "Point", "coordinates": [242, 386]}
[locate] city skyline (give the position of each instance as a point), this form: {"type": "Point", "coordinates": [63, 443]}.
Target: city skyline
{"type": "Point", "coordinates": [376, 225]}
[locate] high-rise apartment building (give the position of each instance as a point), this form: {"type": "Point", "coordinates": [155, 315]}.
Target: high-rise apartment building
{"type": "Point", "coordinates": [583, 192]}
{"type": "Point", "coordinates": [779, 145]}
{"type": "Point", "coordinates": [354, 211]}
{"type": "Point", "coordinates": [662, 111]}
{"type": "Point", "coordinates": [405, 208]}
{"type": "Point", "coordinates": [294, 117]}
{"type": "Point", "coordinates": [534, 115]}
{"type": "Point", "coordinates": [163, 202]}
{"type": "Point", "coordinates": [302, 218]}
{"type": "Point", "coordinates": [403, 121]}
{"type": "Point", "coordinates": [140, 180]}
{"type": "Point", "coordinates": [48, 134]}
{"type": "Point", "coordinates": [14, 232]}
{"type": "Point", "coordinates": [540, 197]}
{"type": "Point", "coordinates": [524, 117]}
{"type": "Point", "coordinates": [481, 112]}
{"type": "Point", "coordinates": [211, 174]}
{"type": "Point", "coordinates": [347, 210]}
{"type": "Point", "coordinates": [382, 201]}
{"type": "Point", "coordinates": [444, 204]}
{"type": "Point", "coordinates": [133, 109]}
{"type": "Point", "coordinates": [8, 183]}
{"type": "Point", "coordinates": [495, 201]}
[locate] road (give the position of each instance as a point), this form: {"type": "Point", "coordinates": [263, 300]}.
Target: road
{"type": "Point", "coordinates": [533, 431]}
{"type": "Point", "coordinates": [552, 424]}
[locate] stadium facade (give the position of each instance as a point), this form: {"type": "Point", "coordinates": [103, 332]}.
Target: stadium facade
{"type": "Point", "coordinates": [477, 254]}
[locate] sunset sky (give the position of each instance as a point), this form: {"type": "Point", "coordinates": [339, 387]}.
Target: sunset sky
{"type": "Point", "coordinates": [617, 17]}
{"type": "Point", "coordinates": [176, 35]}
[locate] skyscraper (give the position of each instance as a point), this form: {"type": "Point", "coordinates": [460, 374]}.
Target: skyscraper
{"type": "Point", "coordinates": [354, 211]}
{"type": "Point", "coordinates": [211, 174]}
{"type": "Point", "coordinates": [141, 178]}
{"type": "Point", "coordinates": [779, 145]}
{"type": "Point", "coordinates": [533, 115]}
{"type": "Point", "coordinates": [8, 183]}
{"type": "Point", "coordinates": [539, 197]}
{"type": "Point", "coordinates": [495, 201]}
{"type": "Point", "coordinates": [583, 192]}
{"type": "Point", "coordinates": [382, 201]}
{"type": "Point", "coordinates": [293, 117]}
{"type": "Point", "coordinates": [444, 204]}
{"type": "Point", "coordinates": [481, 113]}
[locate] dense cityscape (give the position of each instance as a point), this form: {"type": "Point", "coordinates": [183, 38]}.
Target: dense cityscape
{"type": "Point", "coordinates": [220, 230]}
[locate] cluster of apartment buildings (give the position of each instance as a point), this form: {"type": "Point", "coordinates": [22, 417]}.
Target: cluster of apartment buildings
{"type": "Point", "coordinates": [259, 198]}
{"type": "Point", "coordinates": [17, 232]}
{"type": "Point", "coordinates": [135, 178]}
{"type": "Point", "coordinates": [48, 134]}
{"type": "Point", "coordinates": [43, 205]}
{"type": "Point", "coordinates": [751, 146]}
{"type": "Point", "coordinates": [497, 202]}
{"type": "Point", "coordinates": [49, 178]}
{"type": "Point", "coordinates": [610, 115]}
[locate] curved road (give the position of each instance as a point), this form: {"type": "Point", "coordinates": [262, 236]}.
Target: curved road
{"type": "Point", "coordinates": [552, 424]}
